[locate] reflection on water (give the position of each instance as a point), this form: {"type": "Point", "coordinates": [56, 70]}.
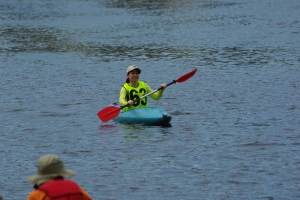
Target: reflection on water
{"type": "Point", "coordinates": [53, 40]}
{"type": "Point", "coordinates": [99, 42]}
{"type": "Point", "coordinates": [106, 127]}
{"type": "Point", "coordinates": [23, 39]}
{"type": "Point", "coordinates": [164, 4]}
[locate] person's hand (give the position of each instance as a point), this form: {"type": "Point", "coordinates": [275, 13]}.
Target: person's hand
{"type": "Point", "coordinates": [163, 86]}
{"type": "Point", "coordinates": [130, 102]}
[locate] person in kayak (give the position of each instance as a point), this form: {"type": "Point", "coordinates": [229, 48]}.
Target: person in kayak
{"type": "Point", "coordinates": [134, 89]}
{"type": "Point", "coordinates": [50, 182]}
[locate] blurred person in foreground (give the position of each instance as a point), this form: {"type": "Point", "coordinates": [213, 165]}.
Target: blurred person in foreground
{"type": "Point", "coordinates": [51, 182]}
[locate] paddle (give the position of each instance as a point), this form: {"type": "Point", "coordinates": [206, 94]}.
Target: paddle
{"type": "Point", "coordinates": [112, 112]}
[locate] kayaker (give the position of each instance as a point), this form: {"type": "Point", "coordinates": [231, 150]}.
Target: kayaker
{"type": "Point", "coordinates": [51, 182]}
{"type": "Point", "coordinates": [134, 88]}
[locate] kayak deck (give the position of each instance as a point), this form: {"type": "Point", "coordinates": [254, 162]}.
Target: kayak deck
{"type": "Point", "coordinates": [148, 115]}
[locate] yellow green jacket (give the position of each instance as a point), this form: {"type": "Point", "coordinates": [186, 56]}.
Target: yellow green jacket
{"type": "Point", "coordinates": [129, 92]}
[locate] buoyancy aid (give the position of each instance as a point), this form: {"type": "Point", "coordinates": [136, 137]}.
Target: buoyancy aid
{"type": "Point", "coordinates": [133, 93]}
{"type": "Point", "coordinates": [62, 190]}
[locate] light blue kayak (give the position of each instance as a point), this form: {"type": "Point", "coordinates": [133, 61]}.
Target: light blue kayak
{"type": "Point", "coordinates": [149, 116]}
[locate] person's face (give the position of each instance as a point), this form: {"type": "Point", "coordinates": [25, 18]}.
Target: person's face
{"type": "Point", "coordinates": [133, 75]}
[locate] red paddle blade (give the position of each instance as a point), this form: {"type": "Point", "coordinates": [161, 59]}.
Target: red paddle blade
{"type": "Point", "coordinates": [109, 113]}
{"type": "Point", "coordinates": [186, 76]}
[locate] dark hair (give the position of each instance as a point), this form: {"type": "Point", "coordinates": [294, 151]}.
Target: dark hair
{"type": "Point", "coordinates": [127, 80]}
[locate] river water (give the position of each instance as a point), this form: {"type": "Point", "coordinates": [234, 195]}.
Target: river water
{"type": "Point", "coordinates": [236, 127]}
